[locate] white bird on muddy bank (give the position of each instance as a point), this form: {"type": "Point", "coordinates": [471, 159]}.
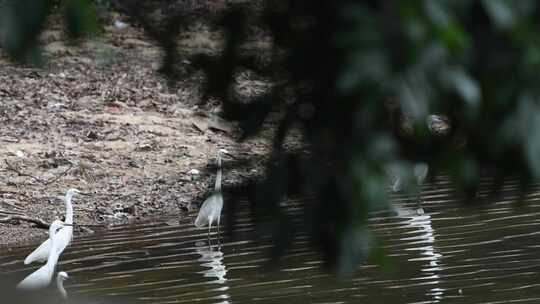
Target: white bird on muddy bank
{"type": "Point", "coordinates": [64, 236]}
{"type": "Point", "coordinates": [42, 277]}
{"type": "Point", "coordinates": [211, 208]}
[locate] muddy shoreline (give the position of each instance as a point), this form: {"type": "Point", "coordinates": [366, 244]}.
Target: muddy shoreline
{"type": "Point", "coordinates": [100, 118]}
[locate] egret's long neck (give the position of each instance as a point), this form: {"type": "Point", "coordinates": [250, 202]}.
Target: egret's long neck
{"type": "Point", "coordinates": [69, 210]}
{"type": "Point", "coordinates": [53, 254]}
{"type": "Point", "coordinates": [218, 176]}
{"type": "Point", "coordinates": [59, 282]}
{"type": "Point", "coordinates": [60, 286]}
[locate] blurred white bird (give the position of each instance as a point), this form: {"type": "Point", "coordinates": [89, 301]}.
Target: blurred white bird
{"type": "Point", "coordinates": [42, 277]}
{"type": "Point", "coordinates": [64, 236]}
{"type": "Point", "coordinates": [420, 171]}
{"type": "Point", "coordinates": [60, 278]}
{"type": "Point", "coordinates": [120, 25]}
{"type": "Point", "coordinates": [211, 208]}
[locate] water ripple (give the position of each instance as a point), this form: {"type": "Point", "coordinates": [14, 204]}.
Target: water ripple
{"type": "Point", "coordinates": [441, 253]}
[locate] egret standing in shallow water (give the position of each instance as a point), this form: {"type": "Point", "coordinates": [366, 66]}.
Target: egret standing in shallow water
{"type": "Point", "coordinates": [42, 277]}
{"type": "Point", "coordinates": [60, 278]}
{"type": "Point", "coordinates": [211, 208]}
{"type": "Point", "coordinates": [420, 172]}
{"type": "Point", "coordinates": [64, 236]}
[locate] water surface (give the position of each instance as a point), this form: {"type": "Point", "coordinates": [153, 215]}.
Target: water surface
{"type": "Point", "coordinates": [487, 254]}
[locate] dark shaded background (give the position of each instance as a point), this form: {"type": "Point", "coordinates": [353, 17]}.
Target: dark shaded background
{"type": "Point", "coordinates": [359, 80]}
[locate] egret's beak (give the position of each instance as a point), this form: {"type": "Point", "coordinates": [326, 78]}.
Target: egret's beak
{"type": "Point", "coordinates": [224, 152]}
{"type": "Point", "coordinates": [84, 193]}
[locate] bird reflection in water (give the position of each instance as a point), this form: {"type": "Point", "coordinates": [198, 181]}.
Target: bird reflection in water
{"type": "Point", "coordinates": [212, 260]}
{"type": "Point", "coordinates": [423, 241]}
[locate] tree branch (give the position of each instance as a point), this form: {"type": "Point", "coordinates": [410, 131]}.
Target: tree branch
{"type": "Point", "coordinates": [44, 182]}
{"type": "Point", "coordinates": [18, 217]}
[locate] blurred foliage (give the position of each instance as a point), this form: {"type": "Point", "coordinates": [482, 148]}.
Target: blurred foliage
{"type": "Point", "coordinates": [20, 25]}
{"type": "Point", "coordinates": [21, 22]}
{"type": "Point", "coordinates": [81, 18]}
{"type": "Point", "coordinates": [358, 79]}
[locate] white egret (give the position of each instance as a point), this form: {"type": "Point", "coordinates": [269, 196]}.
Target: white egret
{"type": "Point", "coordinates": [420, 172]}
{"type": "Point", "coordinates": [60, 278]}
{"type": "Point", "coordinates": [42, 277]}
{"type": "Point", "coordinates": [64, 236]}
{"type": "Point", "coordinates": [211, 208]}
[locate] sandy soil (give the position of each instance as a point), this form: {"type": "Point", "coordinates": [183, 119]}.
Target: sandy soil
{"type": "Point", "coordinates": [101, 119]}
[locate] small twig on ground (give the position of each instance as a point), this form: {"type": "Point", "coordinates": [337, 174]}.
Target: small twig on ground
{"type": "Point", "coordinates": [11, 168]}
{"type": "Point", "coordinates": [14, 192]}
{"type": "Point", "coordinates": [59, 176]}
{"type": "Point", "coordinates": [44, 182]}
{"type": "Point", "coordinates": [85, 174]}
{"type": "Point", "coordinates": [90, 210]}
{"type": "Point", "coordinates": [87, 230]}
{"type": "Point", "coordinates": [4, 211]}
{"type": "Point", "coordinates": [18, 217]}
{"type": "Point", "coordinates": [13, 216]}
{"type": "Point", "coordinates": [12, 205]}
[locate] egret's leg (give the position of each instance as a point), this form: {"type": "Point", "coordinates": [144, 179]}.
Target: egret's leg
{"type": "Point", "coordinates": [419, 208]}
{"type": "Point", "coordinates": [209, 227]}
{"type": "Point", "coordinates": [218, 234]}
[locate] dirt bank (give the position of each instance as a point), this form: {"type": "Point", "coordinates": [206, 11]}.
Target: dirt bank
{"type": "Point", "coordinates": [101, 119]}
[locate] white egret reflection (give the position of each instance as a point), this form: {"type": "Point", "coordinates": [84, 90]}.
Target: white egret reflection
{"type": "Point", "coordinates": [424, 241]}
{"type": "Point", "coordinates": [212, 261]}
